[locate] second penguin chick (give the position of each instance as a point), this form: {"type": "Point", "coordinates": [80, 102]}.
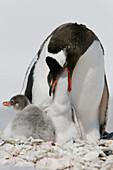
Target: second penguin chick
{"type": "Point", "coordinates": [61, 111]}
{"type": "Point", "coordinates": [28, 121]}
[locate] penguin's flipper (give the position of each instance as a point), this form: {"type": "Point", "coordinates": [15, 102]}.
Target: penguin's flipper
{"type": "Point", "coordinates": [103, 109]}
{"type": "Point", "coordinates": [28, 80]}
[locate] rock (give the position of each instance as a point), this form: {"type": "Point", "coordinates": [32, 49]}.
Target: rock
{"type": "Point", "coordinates": [91, 156]}
{"type": "Point", "coordinates": [74, 155]}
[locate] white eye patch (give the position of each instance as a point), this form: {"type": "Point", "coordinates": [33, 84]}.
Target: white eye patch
{"type": "Point", "coordinates": [16, 104]}
{"type": "Point", "coordinates": [59, 57]}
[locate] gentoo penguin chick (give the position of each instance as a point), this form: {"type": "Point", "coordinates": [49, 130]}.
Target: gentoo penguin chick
{"type": "Point", "coordinates": [80, 49]}
{"type": "Point", "coordinates": [60, 110]}
{"type": "Point", "coordinates": [28, 121]}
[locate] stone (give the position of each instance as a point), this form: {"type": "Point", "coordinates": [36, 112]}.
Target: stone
{"type": "Point", "coordinates": [91, 156]}
{"type": "Point", "coordinates": [73, 155]}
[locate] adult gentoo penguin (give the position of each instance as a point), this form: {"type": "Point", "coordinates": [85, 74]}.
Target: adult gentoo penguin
{"type": "Point", "coordinates": [60, 110]}
{"type": "Point", "coordinates": [28, 121]}
{"type": "Point", "coordinates": [80, 50]}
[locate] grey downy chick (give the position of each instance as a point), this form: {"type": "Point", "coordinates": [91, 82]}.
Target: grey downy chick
{"type": "Point", "coordinates": [28, 121]}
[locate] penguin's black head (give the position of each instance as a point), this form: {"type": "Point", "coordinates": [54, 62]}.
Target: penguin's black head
{"type": "Point", "coordinates": [54, 73]}
{"type": "Point", "coordinates": [18, 102]}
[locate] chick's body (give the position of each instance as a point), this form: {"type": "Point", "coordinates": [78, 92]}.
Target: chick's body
{"type": "Point", "coordinates": [30, 121]}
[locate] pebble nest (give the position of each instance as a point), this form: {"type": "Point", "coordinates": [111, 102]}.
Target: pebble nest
{"type": "Point", "coordinates": [74, 155]}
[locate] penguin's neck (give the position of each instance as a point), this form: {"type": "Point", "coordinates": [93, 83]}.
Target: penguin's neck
{"type": "Point", "coordinates": [61, 103]}
{"type": "Point", "coordinates": [61, 94]}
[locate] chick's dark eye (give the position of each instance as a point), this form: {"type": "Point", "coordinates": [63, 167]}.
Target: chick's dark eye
{"type": "Point", "coordinates": [12, 101]}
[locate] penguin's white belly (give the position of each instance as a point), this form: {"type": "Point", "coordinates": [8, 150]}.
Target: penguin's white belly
{"type": "Point", "coordinates": [87, 89]}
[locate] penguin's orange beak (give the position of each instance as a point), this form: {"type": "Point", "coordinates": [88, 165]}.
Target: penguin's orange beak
{"type": "Point", "coordinates": [6, 104]}
{"type": "Point", "coordinates": [53, 83]}
{"type": "Point", "coordinates": [52, 86]}
{"type": "Point", "coordinates": [69, 79]}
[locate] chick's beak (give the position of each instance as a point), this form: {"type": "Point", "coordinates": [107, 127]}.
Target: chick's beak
{"type": "Point", "coordinates": [6, 104]}
{"type": "Point", "coordinates": [52, 86]}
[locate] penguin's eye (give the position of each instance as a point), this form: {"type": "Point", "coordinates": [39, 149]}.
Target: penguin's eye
{"type": "Point", "coordinates": [12, 101]}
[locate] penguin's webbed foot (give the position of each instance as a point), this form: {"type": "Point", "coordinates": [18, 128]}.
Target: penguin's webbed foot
{"type": "Point", "coordinates": [107, 136]}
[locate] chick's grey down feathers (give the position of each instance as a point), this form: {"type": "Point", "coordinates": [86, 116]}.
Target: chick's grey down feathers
{"type": "Point", "coordinates": [29, 121]}
{"type": "Point", "coordinates": [33, 122]}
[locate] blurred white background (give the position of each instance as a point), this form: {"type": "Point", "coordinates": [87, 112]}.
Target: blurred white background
{"type": "Point", "coordinates": [24, 24]}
